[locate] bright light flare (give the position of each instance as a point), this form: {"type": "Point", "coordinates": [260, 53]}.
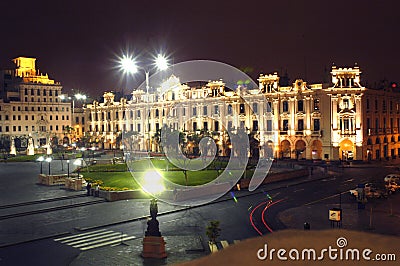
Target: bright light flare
{"type": "Point", "coordinates": [161, 62]}
{"type": "Point", "coordinates": [153, 182]}
{"type": "Point", "coordinates": [80, 96]}
{"type": "Point", "coordinates": [40, 159]}
{"type": "Point", "coordinates": [128, 64]}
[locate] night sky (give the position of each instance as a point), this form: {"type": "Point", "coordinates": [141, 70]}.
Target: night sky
{"type": "Point", "coordinates": [77, 42]}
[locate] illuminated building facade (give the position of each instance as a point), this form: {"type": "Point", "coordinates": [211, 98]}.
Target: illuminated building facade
{"type": "Point", "coordinates": [342, 120]}
{"type": "Point", "coordinates": [30, 105]}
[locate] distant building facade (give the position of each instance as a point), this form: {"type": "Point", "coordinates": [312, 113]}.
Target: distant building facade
{"type": "Point", "coordinates": [342, 120]}
{"type": "Point", "coordinates": [30, 106]}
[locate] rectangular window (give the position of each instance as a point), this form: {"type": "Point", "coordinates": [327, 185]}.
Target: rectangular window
{"type": "Point", "coordinates": [285, 106]}
{"type": "Point", "coordinates": [216, 126]}
{"type": "Point", "coordinates": [269, 107]}
{"type": "Point", "coordinates": [138, 128]}
{"type": "Point", "coordinates": [194, 126]}
{"type": "Point", "coordinates": [194, 111]}
{"type": "Point", "coordinates": [300, 125]}
{"type": "Point", "coordinates": [26, 117]}
{"type": "Point", "coordinates": [26, 128]}
{"type": "Point", "coordinates": [216, 109]}
{"type": "Point", "coordinates": [184, 111]}
{"type": "Point", "coordinates": [138, 113]}
{"type": "Point", "coordinates": [255, 125]}
{"type": "Point", "coordinates": [241, 108]}
{"type": "Point", "coordinates": [229, 109]}
{"type": "Point", "coordinates": [316, 104]}
{"type": "Point", "coordinates": [269, 125]}
{"type": "Point", "coordinates": [285, 125]}
{"type": "Point", "coordinates": [300, 107]}
{"type": "Point", "coordinates": [317, 126]}
{"type": "Point", "coordinates": [255, 108]}
{"type": "Point", "coordinates": [229, 125]}
{"type": "Point", "coordinates": [204, 110]}
{"type": "Point", "coordinates": [205, 126]}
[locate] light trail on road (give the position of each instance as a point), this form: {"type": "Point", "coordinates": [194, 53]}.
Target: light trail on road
{"type": "Point", "coordinates": [268, 204]}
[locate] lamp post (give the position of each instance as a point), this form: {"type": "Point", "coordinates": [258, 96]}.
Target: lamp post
{"type": "Point", "coordinates": [129, 66]}
{"type": "Point", "coordinates": [41, 159]}
{"type": "Point", "coordinates": [78, 163]}
{"type": "Point", "coordinates": [49, 159]}
{"type": "Point", "coordinates": [68, 168]}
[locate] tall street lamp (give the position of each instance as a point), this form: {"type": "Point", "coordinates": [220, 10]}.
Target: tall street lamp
{"type": "Point", "coordinates": [68, 168]}
{"type": "Point", "coordinates": [129, 66]}
{"type": "Point", "coordinates": [41, 159]}
{"type": "Point", "coordinates": [78, 163]}
{"type": "Point", "coordinates": [49, 159]}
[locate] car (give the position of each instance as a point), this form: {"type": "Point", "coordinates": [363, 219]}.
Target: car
{"type": "Point", "coordinates": [392, 177]}
{"type": "Point", "coordinates": [392, 187]}
{"type": "Point", "coordinates": [367, 187]}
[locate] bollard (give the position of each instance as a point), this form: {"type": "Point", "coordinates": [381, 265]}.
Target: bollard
{"type": "Point", "coordinates": [306, 226]}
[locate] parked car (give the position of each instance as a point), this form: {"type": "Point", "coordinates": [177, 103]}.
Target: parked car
{"type": "Point", "coordinates": [392, 187]}
{"type": "Point", "coordinates": [392, 177]}
{"type": "Point", "coordinates": [367, 188]}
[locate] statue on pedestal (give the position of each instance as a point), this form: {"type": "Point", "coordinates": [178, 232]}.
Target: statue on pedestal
{"type": "Point", "coordinates": [13, 150]}
{"type": "Point", "coordinates": [30, 150]}
{"type": "Point", "coordinates": [153, 228]}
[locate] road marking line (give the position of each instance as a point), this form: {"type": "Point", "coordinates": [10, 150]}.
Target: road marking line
{"type": "Point", "coordinates": [67, 237]}
{"type": "Point", "coordinates": [117, 237]}
{"type": "Point", "coordinates": [77, 237]}
{"type": "Point", "coordinates": [102, 237]}
{"type": "Point", "coordinates": [108, 243]}
{"type": "Point", "coordinates": [236, 241]}
{"type": "Point", "coordinates": [297, 190]}
{"type": "Point", "coordinates": [224, 243]}
{"type": "Point", "coordinates": [315, 201]}
{"type": "Point", "coordinates": [213, 247]}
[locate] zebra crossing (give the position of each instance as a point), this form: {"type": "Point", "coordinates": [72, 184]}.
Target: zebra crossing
{"type": "Point", "coordinates": [220, 245]}
{"type": "Point", "coordinates": [94, 239]}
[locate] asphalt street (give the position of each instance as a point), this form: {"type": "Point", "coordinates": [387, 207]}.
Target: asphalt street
{"type": "Point", "coordinates": [71, 216]}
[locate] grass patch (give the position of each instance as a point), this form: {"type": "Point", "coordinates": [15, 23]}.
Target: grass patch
{"type": "Point", "coordinates": [112, 181]}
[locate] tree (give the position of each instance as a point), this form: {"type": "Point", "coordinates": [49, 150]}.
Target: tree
{"type": "Point", "coordinates": [213, 231]}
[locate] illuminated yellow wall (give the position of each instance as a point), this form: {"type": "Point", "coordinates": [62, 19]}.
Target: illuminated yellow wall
{"type": "Point", "coordinates": [26, 69]}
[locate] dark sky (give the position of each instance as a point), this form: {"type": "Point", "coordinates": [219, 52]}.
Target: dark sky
{"type": "Point", "coordinates": [77, 42]}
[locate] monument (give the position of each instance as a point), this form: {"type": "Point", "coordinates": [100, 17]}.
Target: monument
{"type": "Point", "coordinates": [13, 150]}
{"type": "Point", "coordinates": [30, 150]}
{"type": "Point", "coordinates": [153, 242]}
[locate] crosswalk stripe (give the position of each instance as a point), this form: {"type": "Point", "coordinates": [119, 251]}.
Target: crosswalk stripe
{"type": "Point", "coordinates": [78, 237]}
{"type": "Point", "coordinates": [94, 239]}
{"type": "Point", "coordinates": [83, 234]}
{"type": "Point", "coordinates": [108, 243]}
{"type": "Point", "coordinates": [97, 238]}
{"type": "Point", "coordinates": [224, 243]}
{"type": "Point", "coordinates": [213, 247]}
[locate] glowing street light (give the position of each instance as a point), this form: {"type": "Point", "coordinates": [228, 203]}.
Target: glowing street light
{"type": "Point", "coordinates": [40, 159]}
{"type": "Point", "coordinates": [49, 159]}
{"type": "Point", "coordinates": [78, 163]}
{"type": "Point", "coordinates": [128, 65]}
{"type": "Point", "coordinates": [153, 182]}
{"type": "Point", "coordinates": [68, 168]}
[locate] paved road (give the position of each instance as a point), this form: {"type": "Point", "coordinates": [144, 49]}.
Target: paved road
{"type": "Point", "coordinates": [77, 230]}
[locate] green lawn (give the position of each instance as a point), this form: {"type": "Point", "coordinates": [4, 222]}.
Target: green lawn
{"type": "Point", "coordinates": [117, 176]}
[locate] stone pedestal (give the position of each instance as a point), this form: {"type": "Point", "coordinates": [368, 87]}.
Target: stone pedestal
{"type": "Point", "coordinates": [154, 247]}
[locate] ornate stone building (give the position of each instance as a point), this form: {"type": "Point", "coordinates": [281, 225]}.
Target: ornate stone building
{"type": "Point", "coordinates": [341, 120]}
{"type": "Point", "coordinates": [30, 105]}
